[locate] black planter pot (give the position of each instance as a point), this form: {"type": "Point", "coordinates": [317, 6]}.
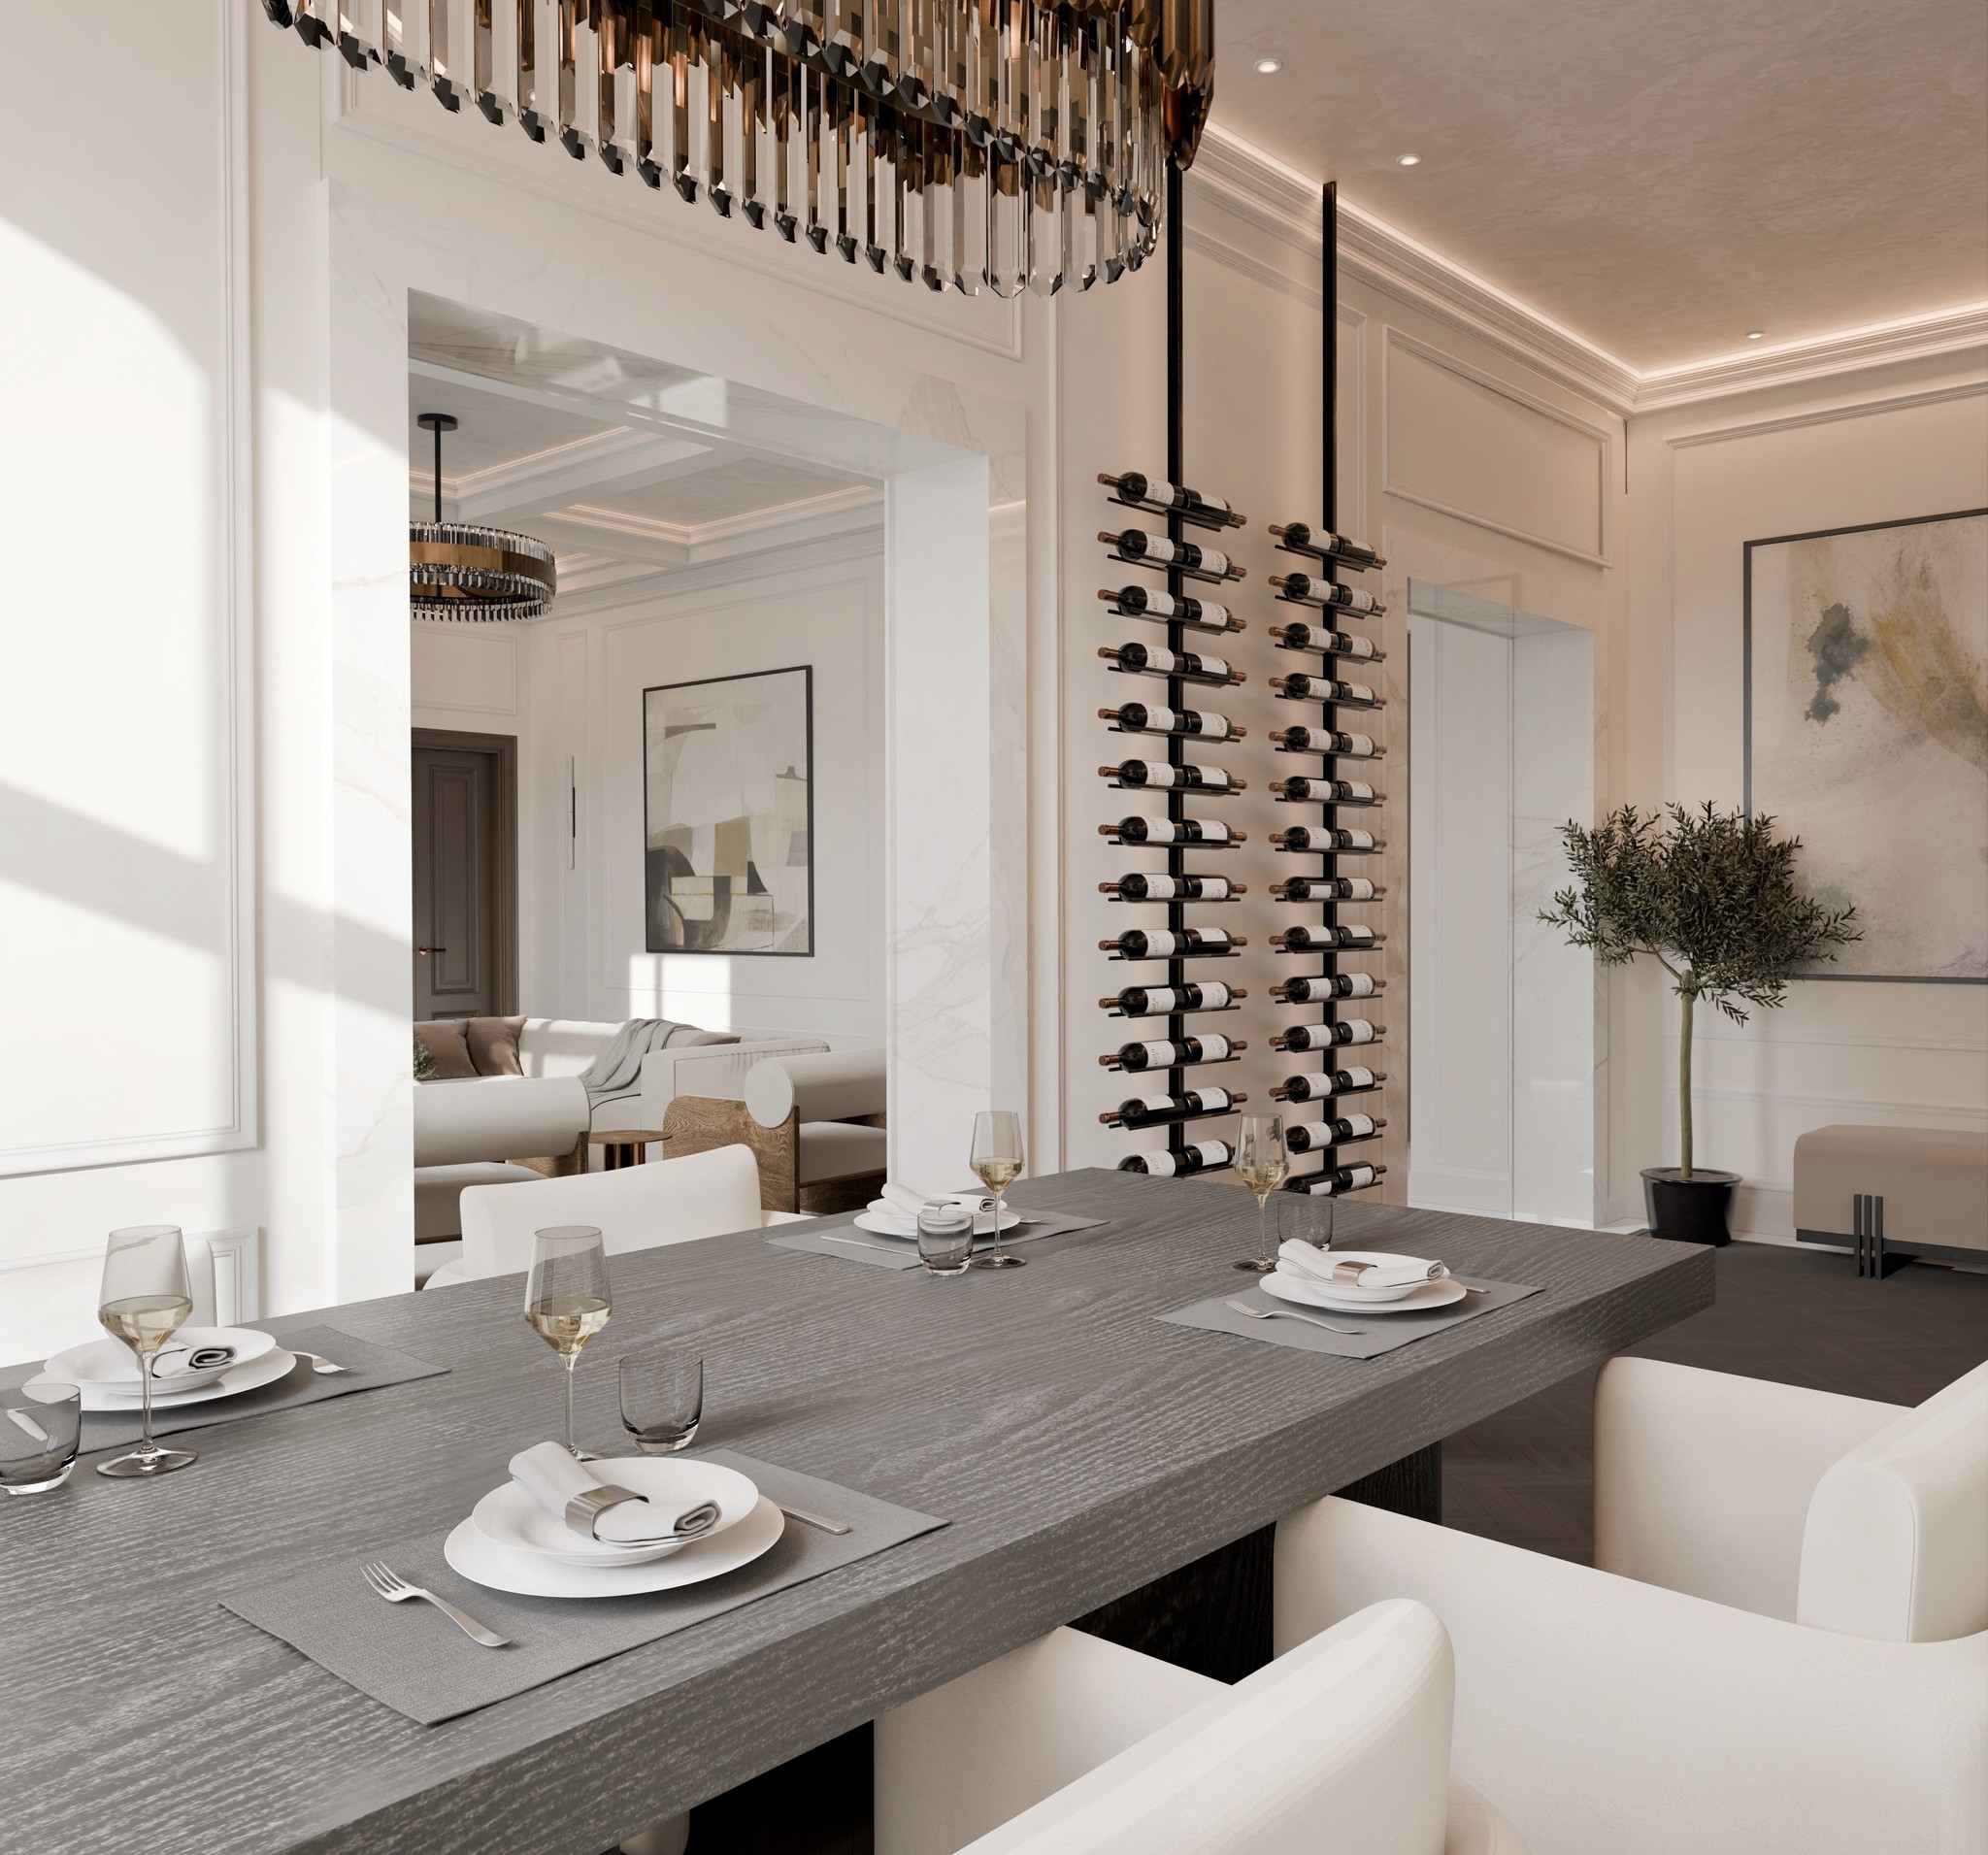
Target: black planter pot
{"type": "Point", "coordinates": [1694, 1210]}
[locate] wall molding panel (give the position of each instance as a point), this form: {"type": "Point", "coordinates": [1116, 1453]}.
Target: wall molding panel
{"type": "Point", "coordinates": [1827, 416]}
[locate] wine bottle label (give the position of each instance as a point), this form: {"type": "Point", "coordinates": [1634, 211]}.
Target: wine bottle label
{"type": "Point", "coordinates": [1355, 692]}
{"type": "Point", "coordinates": [1212, 1099]}
{"type": "Point", "coordinates": [1360, 985]}
{"type": "Point", "coordinates": [1354, 934]}
{"type": "Point", "coordinates": [1155, 547]}
{"type": "Point", "coordinates": [1359, 1126]}
{"type": "Point", "coordinates": [1213, 1152]}
{"type": "Point", "coordinates": [1159, 999]}
{"type": "Point", "coordinates": [1159, 945]}
{"type": "Point", "coordinates": [1215, 666]}
{"type": "Point", "coordinates": [1157, 490]}
{"type": "Point", "coordinates": [1356, 789]}
{"type": "Point", "coordinates": [1213, 727]}
{"type": "Point", "coordinates": [1214, 561]}
{"type": "Point", "coordinates": [1358, 1031]}
{"type": "Point", "coordinates": [1159, 1164]}
{"type": "Point", "coordinates": [1157, 1055]}
{"type": "Point", "coordinates": [1214, 995]}
{"type": "Point", "coordinates": [1215, 939]}
{"type": "Point", "coordinates": [1355, 601]}
{"type": "Point", "coordinates": [1356, 888]}
{"type": "Point", "coordinates": [1161, 888]}
{"type": "Point", "coordinates": [1357, 1078]}
{"type": "Point", "coordinates": [1356, 839]}
{"type": "Point", "coordinates": [1156, 720]}
{"type": "Point", "coordinates": [1214, 1048]}
{"type": "Point", "coordinates": [1213, 778]}
{"type": "Point", "coordinates": [1162, 604]}
{"type": "Point", "coordinates": [1217, 888]}
{"type": "Point", "coordinates": [1361, 649]}
{"type": "Point", "coordinates": [1213, 831]}
{"type": "Point", "coordinates": [1212, 614]}
{"type": "Point", "coordinates": [1358, 1175]}
{"type": "Point", "coordinates": [1153, 1104]}
{"type": "Point", "coordinates": [1359, 745]}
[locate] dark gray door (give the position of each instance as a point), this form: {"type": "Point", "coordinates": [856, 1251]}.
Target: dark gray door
{"type": "Point", "coordinates": [465, 884]}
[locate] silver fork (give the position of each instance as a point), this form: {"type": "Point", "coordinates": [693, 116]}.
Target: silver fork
{"type": "Point", "coordinates": [318, 1362]}
{"type": "Point", "coordinates": [1289, 1313]}
{"type": "Point", "coordinates": [395, 1589]}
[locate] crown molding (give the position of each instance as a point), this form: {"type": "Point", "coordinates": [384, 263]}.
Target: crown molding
{"type": "Point", "coordinates": [782, 517]}
{"type": "Point", "coordinates": [788, 557]}
{"type": "Point", "coordinates": [1278, 199]}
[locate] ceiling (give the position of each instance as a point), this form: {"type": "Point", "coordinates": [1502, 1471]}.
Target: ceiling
{"type": "Point", "coordinates": [1660, 176]}
{"type": "Point", "coordinates": [626, 467]}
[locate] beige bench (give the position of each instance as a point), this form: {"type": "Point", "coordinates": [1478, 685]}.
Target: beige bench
{"type": "Point", "coordinates": [1893, 1193]}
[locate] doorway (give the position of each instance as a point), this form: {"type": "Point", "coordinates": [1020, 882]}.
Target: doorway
{"type": "Point", "coordinates": [1506, 1025]}
{"type": "Point", "coordinates": [465, 900]}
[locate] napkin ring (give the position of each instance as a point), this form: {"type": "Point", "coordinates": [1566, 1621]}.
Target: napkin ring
{"type": "Point", "coordinates": [584, 1511]}
{"type": "Point", "coordinates": [1350, 1271]}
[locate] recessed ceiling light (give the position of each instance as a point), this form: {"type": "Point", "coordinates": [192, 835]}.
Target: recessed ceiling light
{"type": "Point", "coordinates": [1408, 160]}
{"type": "Point", "coordinates": [1270, 67]}
{"type": "Point", "coordinates": [1756, 334]}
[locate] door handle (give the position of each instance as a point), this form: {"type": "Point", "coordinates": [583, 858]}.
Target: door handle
{"type": "Point", "coordinates": [431, 949]}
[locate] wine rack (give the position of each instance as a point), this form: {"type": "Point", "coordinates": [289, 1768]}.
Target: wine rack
{"type": "Point", "coordinates": [1327, 692]}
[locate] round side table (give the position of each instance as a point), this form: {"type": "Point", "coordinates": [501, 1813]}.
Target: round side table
{"type": "Point", "coordinates": [625, 1145]}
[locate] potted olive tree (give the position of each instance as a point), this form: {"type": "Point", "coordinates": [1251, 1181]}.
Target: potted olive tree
{"type": "Point", "coordinates": [1711, 897]}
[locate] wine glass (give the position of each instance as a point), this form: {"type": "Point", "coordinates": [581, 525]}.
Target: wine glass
{"type": "Point", "coordinates": [1261, 1164]}
{"type": "Point", "coordinates": [997, 1164]}
{"type": "Point", "coordinates": [144, 1300]}
{"type": "Point", "coordinates": [565, 1301]}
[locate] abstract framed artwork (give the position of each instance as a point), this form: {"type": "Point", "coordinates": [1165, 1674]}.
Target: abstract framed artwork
{"type": "Point", "coordinates": [728, 814]}
{"type": "Point", "coordinates": [1866, 732]}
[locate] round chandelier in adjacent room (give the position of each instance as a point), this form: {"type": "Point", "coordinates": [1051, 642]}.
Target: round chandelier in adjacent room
{"type": "Point", "coordinates": [463, 571]}
{"type": "Point", "coordinates": [967, 145]}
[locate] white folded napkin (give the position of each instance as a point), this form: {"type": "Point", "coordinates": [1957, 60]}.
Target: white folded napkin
{"type": "Point", "coordinates": [1321, 1264]}
{"type": "Point", "coordinates": [189, 1362]}
{"type": "Point", "coordinates": [908, 1203]}
{"type": "Point", "coordinates": [552, 1477]}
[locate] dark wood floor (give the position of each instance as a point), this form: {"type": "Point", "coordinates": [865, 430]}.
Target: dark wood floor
{"type": "Point", "coordinates": [1800, 1317]}
{"type": "Point", "coordinates": [1526, 1475]}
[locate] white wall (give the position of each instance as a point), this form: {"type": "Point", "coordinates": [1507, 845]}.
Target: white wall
{"type": "Point", "coordinates": [570, 690]}
{"type": "Point", "coordinates": [1909, 440]}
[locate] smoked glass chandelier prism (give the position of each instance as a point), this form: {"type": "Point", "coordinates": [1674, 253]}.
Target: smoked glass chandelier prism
{"type": "Point", "coordinates": [460, 570]}
{"type": "Point", "coordinates": [969, 145]}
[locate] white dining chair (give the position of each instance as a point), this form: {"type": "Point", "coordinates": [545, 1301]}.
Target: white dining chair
{"type": "Point", "coordinates": [1782, 1649]}
{"type": "Point", "coordinates": [670, 1201]}
{"type": "Point", "coordinates": [1072, 1745]}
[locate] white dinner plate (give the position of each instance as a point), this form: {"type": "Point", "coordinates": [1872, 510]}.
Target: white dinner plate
{"type": "Point", "coordinates": [534, 1575]}
{"type": "Point", "coordinates": [111, 1366]}
{"type": "Point", "coordinates": [1317, 1294]}
{"type": "Point", "coordinates": [265, 1371]}
{"type": "Point", "coordinates": [1378, 1258]}
{"type": "Point", "coordinates": [890, 1224]}
{"type": "Point", "coordinates": [508, 1516]}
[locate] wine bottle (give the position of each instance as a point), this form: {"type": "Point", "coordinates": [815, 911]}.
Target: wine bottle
{"type": "Point", "coordinates": [1316, 990]}
{"type": "Point", "coordinates": [1140, 717]}
{"type": "Point", "coordinates": [1202, 1156]}
{"type": "Point", "coordinates": [1346, 695]}
{"type": "Point", "coordinates": [1148, 602]}
{"type": "Point", "coordinates": [1157, 1111]}
{"type": "Point", "coordinates": [1327, 841]}
{"type": "Point", "coordinates": [1327, 888]}
{"type": "Point", "coordinates": [1304, 791]}
{"type": "Point", "coordinates": [1179, 943]}
{"type": "Point", "coordinates": [1156, 493]}
{"type": "Point", "coordinates": [1299, 636]}
{"type": "Point", "coordinates": [1346, 746]}
{"type": "Point", "coordinates": [1334, 1181]}
{"type": "Point", "coordinates": [1323, 1087]}
{"type": "Point", "coordinates": [1315, 1136]}
{"type": "Point", "coordinates": [1346, 937]}
{"type": "Point", "coordinates": [1172, 1053]}
{"type": "Point", "coordinates": [1142, 887]}
{"type": "Point", "coordinates": [1322, 542]}
{"type": "Point", "coordinates": [1152, 660]}
{"type": "Point", "coordinates": [1324, 1037]}
{"type": "Point", "coordinates": [1304, 590]}
{"type": "Point", "coordinates": [1160, 1000]}
{"type": "Point", "coordinates": [1156, 551]}
{"type": "Point", "coordinates": [1212, 832]}
{"type": "Point", "coordinates": [1157, 776]}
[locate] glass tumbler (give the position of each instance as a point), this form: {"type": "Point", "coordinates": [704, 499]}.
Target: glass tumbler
{"type": "Point", "coordinates": [662, 1399]}
{"type": "Point", "coordinates": [946, 1238]}
{"type": "Point", "coordinates": [1305, 1218]}
{"type": "Point", "coordinates": [39, 1426]}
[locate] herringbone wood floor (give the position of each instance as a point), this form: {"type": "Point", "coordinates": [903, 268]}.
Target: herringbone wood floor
{"type": "Point", "coordinates": [1801, 1318]}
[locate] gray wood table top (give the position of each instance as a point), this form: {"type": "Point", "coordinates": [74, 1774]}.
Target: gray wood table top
{"type": "Point", "coordinates": [1079, 1446]}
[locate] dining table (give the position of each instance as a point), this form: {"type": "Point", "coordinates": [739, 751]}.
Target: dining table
{"type": "Point", "coordinates": [1079, 1447]}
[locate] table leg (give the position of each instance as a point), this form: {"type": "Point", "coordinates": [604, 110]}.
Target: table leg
{"type": "Point", "coordinates": [1213, 1616]}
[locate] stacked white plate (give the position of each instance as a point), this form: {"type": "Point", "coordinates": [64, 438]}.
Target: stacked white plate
{"type": "Point", "coordinates": [106, 1371]}
{"type": "Point", "coordinates": [1414, 1297]}
{"type": "Point", "coordinates": [512, 1542]}
{"type": "Point", "coordinates": [886, 1220]}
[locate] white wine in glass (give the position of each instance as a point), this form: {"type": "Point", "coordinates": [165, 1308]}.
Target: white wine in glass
{"type": "Point", "coordinates": [997, 1162]}
{"type": "Point", "coordinates": [144, 1300]}
{"type": "Point", "coordinates": [566, 1300]}
{"type": "Point", "coordinates": [1261, 1164]}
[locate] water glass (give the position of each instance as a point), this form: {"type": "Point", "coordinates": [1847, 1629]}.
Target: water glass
{"type": "Point", "coordinates": [946, 1238]}
{"type": "Point", "coordinates": [40, 1425]}
{"type": "Point", "coordinates": [662, 1399]}
{"type": "Point", "coordinates": [1305, 1218]}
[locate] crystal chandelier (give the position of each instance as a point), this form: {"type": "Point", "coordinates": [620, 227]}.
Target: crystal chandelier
{"type": "Point", "coordinates": [462, 570]}
{"type": "Point", "coordinates": [964, 144]}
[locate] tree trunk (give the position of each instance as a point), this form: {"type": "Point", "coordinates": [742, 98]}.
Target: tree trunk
{"type": "Point", "coordinates": [1684, 1089]}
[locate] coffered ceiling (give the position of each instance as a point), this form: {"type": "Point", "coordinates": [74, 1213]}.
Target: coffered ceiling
{"type": "Point", "coordinates": [1660, 176]}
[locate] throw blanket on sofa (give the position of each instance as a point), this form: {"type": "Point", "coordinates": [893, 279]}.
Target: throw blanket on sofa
{"type": "Point", "coordinates": [618, 1066]}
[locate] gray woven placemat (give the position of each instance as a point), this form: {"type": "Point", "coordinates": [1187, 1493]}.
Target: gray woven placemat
{"type": "Point", "coordinates": [840, 1237]}
{"type": "Point", "coordinates": [1379, 1333]}
{"type": "Point", "coordinates": [368, 1367]}
{"type": "Point", "coordinates": [413, 1659]}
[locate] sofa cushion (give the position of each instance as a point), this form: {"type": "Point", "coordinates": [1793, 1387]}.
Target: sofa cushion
{"type": "Point", "coordinates": [437, 1195]}
{"type": "Point", "coordinates": [493, 1044]}
{"type": "Point", "coordinates": [443, 1037]}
